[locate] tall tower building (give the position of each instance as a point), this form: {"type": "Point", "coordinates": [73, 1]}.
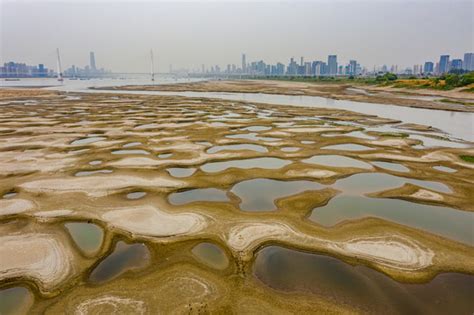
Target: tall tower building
{"type": "Point", "coordinates": [332, 64]}
{"type": "Point", "coordinates": [468, 63]}
{"type": "Point", "coordinates": [92, 61]}
{"type": "Point", "coordinates": [352, 67]}
{"type": "Point", "coordinates": [444, 63]}
{"type": "Point", "coordinates": [244, 64]}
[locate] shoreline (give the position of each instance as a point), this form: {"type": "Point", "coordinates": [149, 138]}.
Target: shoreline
{"type": "Point", "coordinates": [337, 91]}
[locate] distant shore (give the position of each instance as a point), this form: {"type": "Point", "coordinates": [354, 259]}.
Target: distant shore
{"type": "Point", "coordinates": [452, 100]}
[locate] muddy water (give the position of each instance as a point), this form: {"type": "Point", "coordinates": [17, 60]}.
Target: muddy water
{"type": "Point", "coordinates": [211, 255]}
{"type": "Point", "coordinates": [236, 147]}
{"type": "Point", "coordinates": [15, 301]}
{"type": "Point", "coordinates": [193, 195]}
{"type": "Point", "coordinates": [88, 140]}
{"type": "Point", "coordinates": [392, 166]}
{"type": "Point", "coordinates": [260, 194]}
{"type": "Point", "coordinates": [347, 147]}
{"type": "Point", "coordinates": [87, 236]}
{"type": "Point", "coordinates": [336, 161]}
{"type": "Point", "coordinates": [365, 289]}
{"type": "Point", "coordinates": [449, 222]}
{"type": "Point", "coordinates": [266, 163]}
{"type": "Point", "coordinates": [125, 257]}
{"type": "Point", "coordinates": [181, 172]}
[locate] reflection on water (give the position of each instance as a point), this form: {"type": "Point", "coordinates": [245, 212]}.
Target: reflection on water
{"type": "Point", "coordinates": [391, 166]}
{"type": "Point", "coordinates": [136, 195]}
{"type": "Point", "coordinates": [130, 152]}
{"type": "Point", "coordinates": [260, 194]}
{"type": "Point", "coordinates": [125, 257]}
{"type": "Point", "coordinates": [15, 301]}
{"type": "Point", "coordinates": [449, 222]}
{"type": "Point", "coordinates": [87, 173]}
{"type": "Point", "coordinates": [372, 182]}
{"type": "Point", "coordinates": [180, 172]}
{"type": "Point", "coordinates": [256, 128]}
{"type": "Point", "coordinates": [251, 136]}
{"type": "Point", "coordinates": [131, 144]}
{"type": "Point", "coordinates": [236, 147]}
{"type": "Point", "coordinates": [336, 161]}
{"type": "Point", "coordinates": [87, 236]}
{"type": "Point", "coordinates": [361, 287]}
{"type": "Point", "coordinates": [211, 255]}
{"type": "Point", "coordinates": [445, 169]}
{"type": "Point", "coordinates": [88, 140]}
{"type": "Point", "coordinates": [202, 194]}
{"type": "Point", "coordinates": [266, 163]}
{"type": "Point", "coordinates": [347, 147]}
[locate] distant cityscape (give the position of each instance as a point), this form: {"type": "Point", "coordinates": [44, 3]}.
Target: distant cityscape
{"type": "Point", "coordinates": [331, 67]}
{"type": "Point", "coordinates": [21, 70]}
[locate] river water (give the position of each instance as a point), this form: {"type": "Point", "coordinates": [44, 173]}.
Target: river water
{"type": "Point", "coordinates": [456, 124]}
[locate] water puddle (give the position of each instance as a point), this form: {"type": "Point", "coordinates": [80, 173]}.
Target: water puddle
{"type": "Point", "coordinates": [265, 163]}
{"type": "Point", "coordinates": [347, 147]}
{"type": "Point", "coordinates": [429, 142]}
{"type": "Point", "coordinates": [256, 128]}
{"type": "Point", "coordinates": [290, 270]}
{"type": "Point", "coordinates": [87, 140]}
{"type": "Point", "coordinates": [130, 152]}
{"type": "Point", "coordinates": [181, 172]}
{"type": "Point", "coordinates": [9, 195]}
{"type": "Point", "coordinates": [308, 142]}
{"type": "Point", "coordinates": [201, 194]}
{"type": "Point", "coordinates": [354, 134]}
{"type": "Point", "coordinates": [125, 257]}
{"type": "Point", "coordinates": [15, 301]}
{"type": "Point", "coordinates": [131, 144]}
{"type": "Point", "coordinates": [445, 169]}
{"type": "Point", "coordinates": [373, 182]}
{"type": "Point", "coordinates": [211, 255]}
{"type": "Point", "coordinates": [252, 136]}
{"type": "Point", "coordinates": [165, 155]}
{"type": "Point", "coordinates": [87, 236]}
{"type": "Point", "coordinates": [237, 147]}
{"type": "Point", "coordinates": [206, 143]}
{"type": "Point", "coordinates": [136, 195]}
{"type": "Point", "coordinates": [392, 166]}
{"type": "Point", "coordinates": [290, 149]}
{"type": "Point", "coordinates": [448, 222]}
{"type": "Point", "coordinates": [336, 161]}
{"type": "Point", "coordinates": [87, 173]}
{"type": "Point", "coordinates": [259, 194]}
{"type": "Point", "coordinates": [95, 162]}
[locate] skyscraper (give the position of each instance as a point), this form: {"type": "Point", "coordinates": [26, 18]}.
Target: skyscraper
{"type": "Point", "coordinates": [244, 64]}
{"type": "Point", "coordinates": [428, 68]}
{"type": "Point", "coordinates": [332, 64]}
{"type": "Point", "coordinates": [444, 63]}
{"type": "Point", "coordinates": [468, 63]}
{"type": "Point", "coordinates": [352, 67]}
{"type": "Point", "coordinates": [456, 64]}
{"type": "Point", "coordinates": [92, 61]}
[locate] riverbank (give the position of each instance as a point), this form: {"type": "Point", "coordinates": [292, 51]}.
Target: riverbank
{"type": "Point", "coordinates": [453, 100]}
{"type": "Point", "coordinates": [119, 192]}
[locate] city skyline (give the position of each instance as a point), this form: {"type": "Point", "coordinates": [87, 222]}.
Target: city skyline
{"type": "Point", "coordinates": [373, 33]}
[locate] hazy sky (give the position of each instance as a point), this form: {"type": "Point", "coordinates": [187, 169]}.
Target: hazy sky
{"type": "Point", "coordinates": [191, 33]}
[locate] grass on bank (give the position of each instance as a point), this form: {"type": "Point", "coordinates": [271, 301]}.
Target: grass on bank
{"type": "Point", "coordinates": [445, 82]}
{"type": "Point", "coordinates": [467, 158]}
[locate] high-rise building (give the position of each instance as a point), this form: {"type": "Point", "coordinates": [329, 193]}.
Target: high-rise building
{"type": "Point", "coordinates": [332, 64]}
{"type": "Point", "coordinates": [456, 64]}
{"type": "Point", "coordinates": [244, 64]}
{"type": "Point", "coordinates": [352, 67]}
{"type": "Point", "coordinates": [444, 63]}
{"type": "Point", "coordinates": [428, 68]}
{"type": "Point", "coordinates": [92, 61]}
{"type": "Point", "coordinates": [301, 62]}
{"type": "Point", "coordinates": [468, 63]}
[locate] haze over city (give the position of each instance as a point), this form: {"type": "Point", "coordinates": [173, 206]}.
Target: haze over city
{"type": "Point", "coordinates": [189, 34]}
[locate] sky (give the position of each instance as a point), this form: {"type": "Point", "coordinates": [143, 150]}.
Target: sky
{"type": "Point", "coordinates": [187, 34]}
